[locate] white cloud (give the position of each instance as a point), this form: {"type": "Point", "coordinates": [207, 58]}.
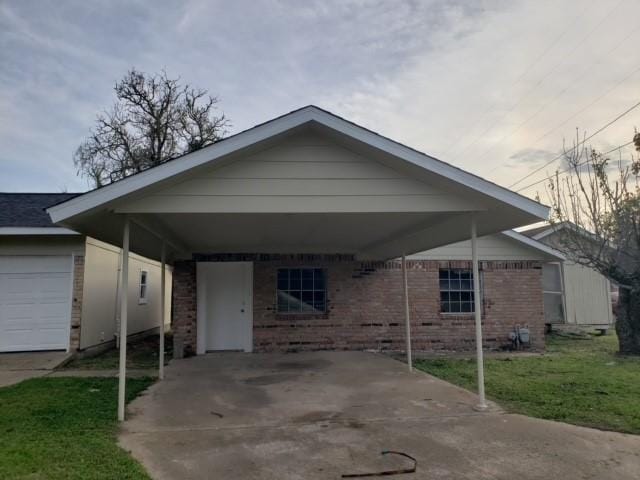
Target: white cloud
{"type": "Point", "coordinates": [432, 74]}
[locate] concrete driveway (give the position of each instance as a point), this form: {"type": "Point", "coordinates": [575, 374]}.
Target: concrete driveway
{"type": "Point", "coordinates": [16, 367]}
{"type": "Point", "coordinates": [324, 414]}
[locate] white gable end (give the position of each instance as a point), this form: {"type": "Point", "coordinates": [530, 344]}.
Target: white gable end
{"type": "Point", "coordinates": [305, 172]}
{"type": "Point", "coordinates": [497, 247]}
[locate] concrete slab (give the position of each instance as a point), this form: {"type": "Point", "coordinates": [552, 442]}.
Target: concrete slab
{"type": "Point", "coordinates": [16, 367]}
{"type": "Point", "coordinates": [323, 414]}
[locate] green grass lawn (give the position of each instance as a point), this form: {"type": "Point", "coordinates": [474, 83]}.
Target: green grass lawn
{"type": "Point", "coordinates": [64, 428]}
{"type": "Point", "coordinates": [579, 381]}
{"type": "Point", "coordinates": [141, 354]}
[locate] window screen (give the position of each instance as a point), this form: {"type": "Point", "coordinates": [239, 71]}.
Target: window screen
{"type": "Point", "coordinates": [302, 290]}
{"type": "Point", "coordinates": [456, 291]}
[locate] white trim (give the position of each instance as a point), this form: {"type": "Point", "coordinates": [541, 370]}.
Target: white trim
{"type": "Point", "coordinates": [36, 231]}
{"type": "Point", "coordinates": [215, 152]}
{"type": "Point", "coordinates": [544, 233]}
{"type": "Point", "coordinates": [534, 244]}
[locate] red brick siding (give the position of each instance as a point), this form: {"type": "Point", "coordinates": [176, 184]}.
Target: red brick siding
{"type": "Point", "coordinates": [365, 307]}
{"type": "Point", "coordinates": [184, 301]}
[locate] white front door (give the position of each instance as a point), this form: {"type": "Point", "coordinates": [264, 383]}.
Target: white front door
{"type": "Point", "coordinates": [35, 302]}
{"type": "Point", "coordinates": [225, 306]}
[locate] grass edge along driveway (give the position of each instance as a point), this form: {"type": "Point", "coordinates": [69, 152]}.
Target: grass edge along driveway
{"type": "Point", "coordinates": [65, 428]}
{"type": "Point", "coordinates": [581, 381]}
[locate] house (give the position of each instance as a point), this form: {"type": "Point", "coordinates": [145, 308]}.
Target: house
{"type": "Point", "coordinates": [573, 294]}
{"type": "Point", "coordinates": [59, 288]}
{"type": "Point", "coordinates": [283, 237]}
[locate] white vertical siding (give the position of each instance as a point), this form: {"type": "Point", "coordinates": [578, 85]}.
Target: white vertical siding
{"type": "Point", "coordinates": [587, 296]}
{"type": "Point", "coordinates": [587, 292]}
{"type": "Point", "coordinates": [102, 262]}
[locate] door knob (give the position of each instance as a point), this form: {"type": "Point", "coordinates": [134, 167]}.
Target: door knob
{"type": "Point", "coordinates": [242, 310]}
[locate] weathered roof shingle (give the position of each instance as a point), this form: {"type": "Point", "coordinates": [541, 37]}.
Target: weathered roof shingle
{"type": "Point", "coordinates": [28, 209]}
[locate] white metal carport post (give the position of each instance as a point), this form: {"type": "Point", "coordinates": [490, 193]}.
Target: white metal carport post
{"type": "Point", "coordinates": [477, 308]}
{"type": "Point", "coordinates": [163, 266]}
{"type": "Point", "coordinates": [407, 316]}
{"type": "Point", "coordinates": [122, 375]}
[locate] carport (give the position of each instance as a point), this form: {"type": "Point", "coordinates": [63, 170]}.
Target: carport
{"type": "Point", "coordinates": [308, 182]}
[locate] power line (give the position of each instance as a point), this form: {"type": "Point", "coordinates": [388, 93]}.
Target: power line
{"type": "Point", "coordinates": [522, 75]}
{"type": "Point", "coordinates": [601, 129]}
{"type": "Point", "coordinates": [589, 105]}
{"type": "Point", "coordinates": [540, 81]}
{"type": "Point", "coordinates": [620, 147]}
{"type": "Point", "coordinates": [552, 100]}
{"type": "Point", "coordinates": [600, 97]}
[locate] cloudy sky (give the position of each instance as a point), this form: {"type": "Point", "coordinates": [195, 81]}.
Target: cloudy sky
{"type": "Point", "coordinates": [491, 86]}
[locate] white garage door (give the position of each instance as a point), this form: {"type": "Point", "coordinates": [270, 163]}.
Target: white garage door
{"type": "Point", "coordinates": [35, 303]}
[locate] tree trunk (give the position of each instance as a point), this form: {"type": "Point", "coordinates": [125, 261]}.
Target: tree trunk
{"type": "Point", "coordinates": [628, 320]}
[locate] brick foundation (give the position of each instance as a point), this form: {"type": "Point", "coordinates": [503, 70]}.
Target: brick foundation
{"type": "Point", "coordinates": [365, 308]}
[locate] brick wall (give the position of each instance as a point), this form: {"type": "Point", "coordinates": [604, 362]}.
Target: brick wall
{"type": "Point", "coordinates": [366, 308]}
{"type": "Point", "coordinates": [76, 299]}
{"type": "Point", "coordinates": [183, 311]}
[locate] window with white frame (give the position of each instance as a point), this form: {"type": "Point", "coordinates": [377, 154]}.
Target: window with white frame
{"type": "Point", "coordinates": [553, 293]}
{"type": "Point", "coordinates": [302, 290]}
{"type": "Point", "coordinates": [456, 290]}
{"type": "Point", "coordinates": [144, 286]}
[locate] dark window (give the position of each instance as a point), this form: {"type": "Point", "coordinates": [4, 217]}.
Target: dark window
{"type": "Point", "coordinates": [302, 290]}
{"type": "Point", "coordinates": [456, 291]}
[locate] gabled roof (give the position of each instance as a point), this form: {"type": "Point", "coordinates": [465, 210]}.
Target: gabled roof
{"type": "Point", "coordinates": [310, 114]}
{"type": "Point", "coordinates": [543, 231]}
{"type": "Point", "coordinates": [537, 232]}
{"type": "Point", "coordinates": [519, 237]}
{"type": "Point", "coordinates": [22, 213]}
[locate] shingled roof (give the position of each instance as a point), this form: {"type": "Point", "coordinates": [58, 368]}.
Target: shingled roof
{"type": "Point", "coordinates": [28, 209]}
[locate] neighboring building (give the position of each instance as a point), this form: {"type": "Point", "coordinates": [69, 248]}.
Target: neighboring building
{"type": "Point", "coordinates": [283, 237]}
{"type": "Point", "coordinates": [574, 294]}
{"type": "Point", "coordinates": [58, 288]}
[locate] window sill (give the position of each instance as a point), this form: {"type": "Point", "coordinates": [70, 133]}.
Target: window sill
{"type": "Point", "coordinates": [302, 316]}
{"type": "Point", "coordinates": [459, 315]}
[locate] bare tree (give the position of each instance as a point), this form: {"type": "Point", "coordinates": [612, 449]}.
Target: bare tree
{"type": "Point", "coordinates": [154, 119]}
{"type": "Point", "coordinates": [598, 203]}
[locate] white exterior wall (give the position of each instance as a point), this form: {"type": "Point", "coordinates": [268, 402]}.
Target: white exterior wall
{"type": "Point", "coordinates": [304, 173]}
{"type": "Point", "coordinates": [587, 296]}
{"type": "Point", "coordinates": [102, 266]}
{"type": "Point", "coordinates": [496, 247]}
{"type": "Point", "coordinates": [587, 293]}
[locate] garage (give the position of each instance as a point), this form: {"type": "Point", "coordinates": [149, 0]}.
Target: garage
{"type": "Point", "coordinates": [35, 302]}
